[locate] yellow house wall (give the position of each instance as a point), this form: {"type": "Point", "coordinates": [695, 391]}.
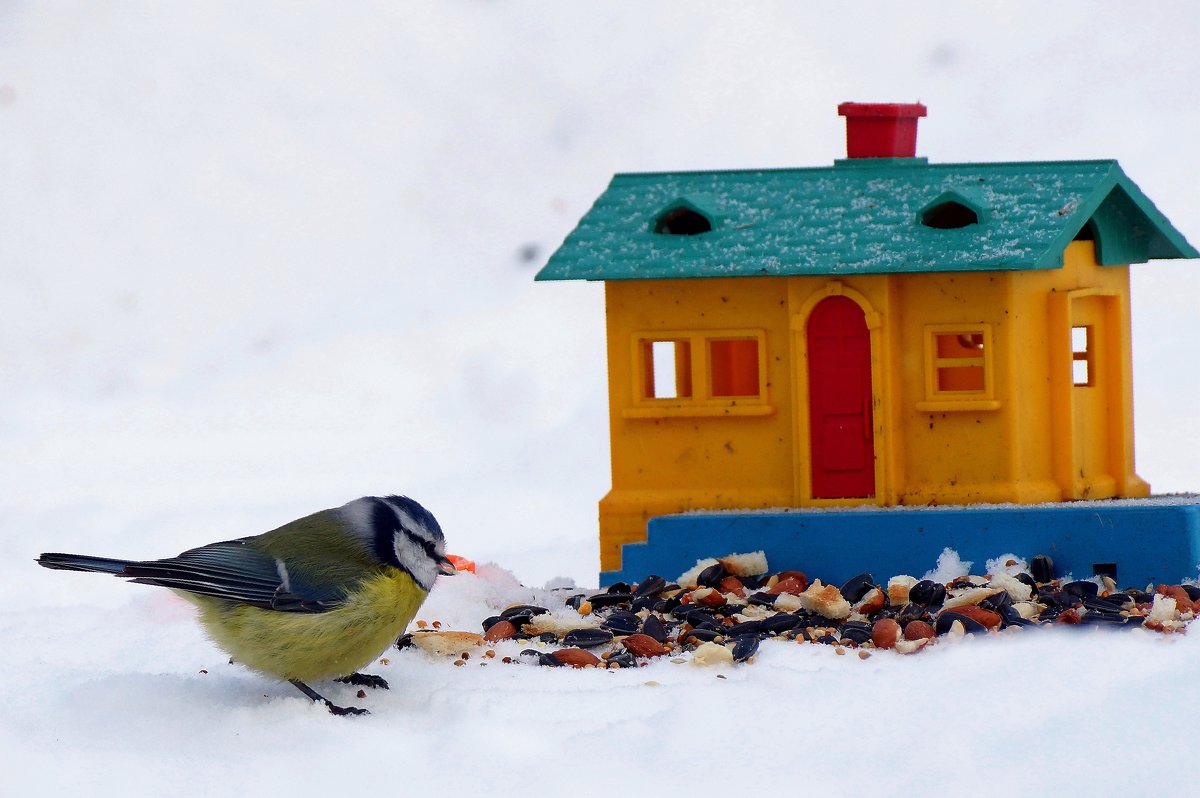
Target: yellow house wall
{"type": "Point", "coordinates": [674, 462]}
{"type": "Point", "coordinates": [953, 454]}
{"type": "Point", "coordinates": [1034, 438]}
{"type": "Point", "coordinates": [1079, 438]}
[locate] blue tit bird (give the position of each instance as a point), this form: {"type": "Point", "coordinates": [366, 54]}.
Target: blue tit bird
{"type": "Point", "coordinates": [317, 598]}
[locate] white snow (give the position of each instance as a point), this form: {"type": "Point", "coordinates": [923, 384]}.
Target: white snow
{"type": "Point", "coordinates": [259, 259]}
{"type": "Point", "coordinates": [949, 567]}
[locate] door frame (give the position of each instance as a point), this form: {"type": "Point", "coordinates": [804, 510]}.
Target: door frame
{"type": "Point", "coordinates": [801, 428]}
{"type": "Point", "coordinates": [1112, 366]}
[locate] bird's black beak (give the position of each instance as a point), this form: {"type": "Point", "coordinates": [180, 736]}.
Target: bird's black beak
{"type": "Point", "coordinates": [445, 567]}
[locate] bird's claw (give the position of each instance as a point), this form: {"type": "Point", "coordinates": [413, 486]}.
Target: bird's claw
{"type": "Point", "coordinates": [365, 680]}
{"type": "Point", "coordinates": [334, 709]}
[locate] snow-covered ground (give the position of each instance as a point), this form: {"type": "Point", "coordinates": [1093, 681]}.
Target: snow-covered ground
{"type": "Point", "coordinates": [259, 259]}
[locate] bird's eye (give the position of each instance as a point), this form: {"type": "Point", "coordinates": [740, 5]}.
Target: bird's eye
{"type": "Point", "coordinates": [431, 548]}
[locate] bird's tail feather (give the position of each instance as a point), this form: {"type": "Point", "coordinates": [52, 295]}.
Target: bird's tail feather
{"type": "Point", "coordinates": [82, 562]}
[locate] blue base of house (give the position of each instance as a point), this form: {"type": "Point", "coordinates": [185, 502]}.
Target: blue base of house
{"type": "Point", "coordinates": [1137, 541]}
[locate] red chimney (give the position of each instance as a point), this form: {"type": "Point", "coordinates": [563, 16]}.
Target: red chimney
{"type": "Point", "coordinates": [881, 130]}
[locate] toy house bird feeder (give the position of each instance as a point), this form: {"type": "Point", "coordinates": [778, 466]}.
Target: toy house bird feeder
{"type": "Point", "coordinates": [852, 367]}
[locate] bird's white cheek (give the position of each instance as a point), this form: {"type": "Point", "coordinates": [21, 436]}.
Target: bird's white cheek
{"type": "Point", "coordinates": [426, 578]}
{"type": "Point", "coordinates": [416, 562]}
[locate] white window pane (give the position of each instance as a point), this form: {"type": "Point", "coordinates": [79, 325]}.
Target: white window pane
{"type": "Point", "coordinates": [663, 355]}
{"type": "Point", "coordinates": [1079, 339]}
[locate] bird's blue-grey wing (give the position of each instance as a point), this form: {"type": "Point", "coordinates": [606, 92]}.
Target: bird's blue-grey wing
{"type": "Point", "coordinates": [236, 571]}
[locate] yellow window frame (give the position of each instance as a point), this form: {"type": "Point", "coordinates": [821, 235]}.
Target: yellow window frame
{"type": "Point", "coordinates": [693, 374]}
{"type": "Point", "coordinates": [940, 399]}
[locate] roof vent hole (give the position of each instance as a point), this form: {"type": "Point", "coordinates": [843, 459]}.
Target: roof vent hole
{"type": "Point", "coordinates": [949, 215]}
{"type": "Point", "coordinates": [682, 222]}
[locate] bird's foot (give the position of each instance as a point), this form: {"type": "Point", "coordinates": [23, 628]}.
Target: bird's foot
{"type": "Point", "coordinates": [365, 680]}
{"type": "Point", "coordinates": [333, 708]}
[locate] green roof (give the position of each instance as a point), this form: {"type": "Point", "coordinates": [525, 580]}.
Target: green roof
{"type": "Point", "coordinates": [864, 217]}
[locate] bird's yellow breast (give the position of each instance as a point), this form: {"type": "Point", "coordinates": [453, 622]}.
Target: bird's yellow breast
{"type": "Point", "coordinates": [313, 646]}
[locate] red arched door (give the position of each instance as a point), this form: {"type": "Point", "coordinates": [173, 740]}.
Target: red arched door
{"type": "Point", "coordinates": [839, 401]}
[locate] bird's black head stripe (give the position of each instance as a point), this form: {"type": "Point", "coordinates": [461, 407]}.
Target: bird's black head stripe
{"type": "Point", "coordinates": [384, 524]}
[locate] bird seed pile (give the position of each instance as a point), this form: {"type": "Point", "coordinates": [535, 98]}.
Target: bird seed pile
{"type": "Point", "coordinates": [722, 610]}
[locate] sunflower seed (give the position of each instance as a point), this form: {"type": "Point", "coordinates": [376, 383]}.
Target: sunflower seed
{"type": "Point", "coordinates": [587, 638]}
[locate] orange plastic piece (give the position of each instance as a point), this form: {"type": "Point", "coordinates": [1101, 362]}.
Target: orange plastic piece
{"type": "Point", "coordinates": [461, 563]}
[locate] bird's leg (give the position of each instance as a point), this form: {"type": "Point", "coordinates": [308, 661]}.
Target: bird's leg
{"type": "Point", "coordinates": [333, 708]}
{"type": "Point", "coordinates": [364, 680]}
